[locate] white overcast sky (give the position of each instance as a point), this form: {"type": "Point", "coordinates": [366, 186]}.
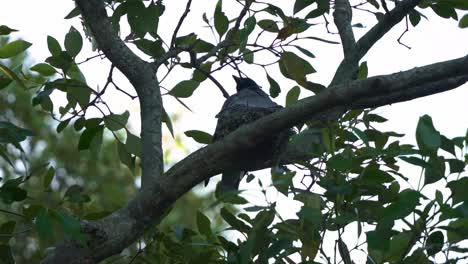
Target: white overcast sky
{"type": "Point", "coordinates": [432, 41]}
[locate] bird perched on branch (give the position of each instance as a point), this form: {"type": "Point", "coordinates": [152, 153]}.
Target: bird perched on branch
{"type": "Point", "coordinates": [247, 105]}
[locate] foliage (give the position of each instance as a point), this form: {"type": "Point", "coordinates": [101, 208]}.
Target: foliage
{"type": "Point", "coordinates": [352, 182]}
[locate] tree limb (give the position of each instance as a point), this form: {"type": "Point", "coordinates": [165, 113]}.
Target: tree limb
{"type": "Point", "coordinates": [342, 17]}
{"type": "Point", "coordinates": [143, 78]}
{"type": "Point", "coordinates": [114, 233]}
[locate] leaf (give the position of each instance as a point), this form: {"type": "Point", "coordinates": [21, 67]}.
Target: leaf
{"type": "Point", "coordinates": [43, 224]}
{"type": "Point", "coordinates": [293, 95]}
{"type": "Point", "coordinates": [248, 56]}
{"type": "Point", "coordinates": [116, 122]}
{"type": "Point", "coordinates": [294, 67]}
{"type": "Point", "coordinates": [133, 144]}
{"type": "Point", "coordinates": [70, 226]}
{"type": "Point", "coordinates": [73, 13]}
{"type": "Point", "coordinates": [73, 42]}
{"type": "Point", "coordinates": [457, 231]}
{"type": "Point", "coordinates": [7, 229]}
{"type": "Point", "coordinates": [434, 243]}
{"type": "Point", "coordinates": [427, 137]}
{"type": "Point", "coordinates": [463, 23]}
{"type": "Point", "coordinates": [199, 75]}
{"type": "Point", "coordinates": [458, 189]}
{"type": "Point", "coordinates": [233, 221]}
{"type": "Point", "coordinates": [43, 69]}
{"type": "Point", "coordinates": [306, 52]}
{"type": "Point", "coordinates": [268, 25]}
{"type": "Point", "coordinates": [13, 48]}
{"type": "Point", "coordinates": [184, 89]}
{"type": "Point", "coordinates": [48, 177]}
{"type": "Point", "coordinates": [414, 17]}
{"type": "Point", "coordinates": [199, 136]}
{"type": "Point", "coordinates": [275, 89]}
{"type": "Point", "coordinates": [435, 170]}
{"type": "Point", "coordinates": [344, 252]}
{"type": "Point", "coordinates": [166, 119]}
{"type": "Point", "coordinates": [5, 30]}
{"type": "Point", "coordinates": [301, 4]}
{"type": "Point", "coordinates": [53, 46]}
{"type": "Point", "coordinates": [363, 71]}
{"type": "Point", "coordinates": [125, 156]}
{"type": "Point", "coordinates": [203, 225]}
{"type": "Point", "coordinates": [80, 94]}
{"type": "Point", "coordinates": [88, 135]}
{"type": "Point", "coordinates": [6, 255]}
{"type": "Point", "coordinates": [221, 22]}
{"type": "Point", "coordinates": [152, 48]}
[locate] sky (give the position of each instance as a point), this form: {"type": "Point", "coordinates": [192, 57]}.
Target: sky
{"type": "Point", "coordinates": [434, 40]}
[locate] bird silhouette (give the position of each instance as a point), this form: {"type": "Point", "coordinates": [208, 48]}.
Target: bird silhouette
{"type": "Point", "coordinates": [247, 105]}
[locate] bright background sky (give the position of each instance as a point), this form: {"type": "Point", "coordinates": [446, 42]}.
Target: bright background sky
{"type": "Point", "coordinates": [432, 41]}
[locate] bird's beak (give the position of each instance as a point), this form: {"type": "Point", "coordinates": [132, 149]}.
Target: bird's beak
{"type": "Point", "coordinates": [236, 79]}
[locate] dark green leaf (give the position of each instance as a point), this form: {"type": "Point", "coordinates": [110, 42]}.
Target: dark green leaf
{"type": "Point", "coordinates": [275, 89]}
{"type": "Point", "coordinates": [125, 156]}
{"type": "Point", "coordinates": [248, 56]}
{"type": "Point", "coordinates": [6, 255]}
{"type": "Point", "coordinates": [73, 42]}
{"type": "Point", "coordinates": [44, 224]}
{"type": "Point", "coordinates": [435, 170]}
{"type": "Point", "coordinates": [199, 75]}
{"type": "Point", "coordinates": [166, 119]}
{"type": "Point", "coordinates": [434, 243]}
{"type": "Point", "coordinates": [203, 225]}
{"type": "Point", "coordinates": [133, 144]}
{"type": "Point", "coordinates": [457, 230]}
{"type": "Point", "coordinates": [221, 22]}
{"type": "Point", "coordinates": [344, 252]}
{"type": "Point", "coordinates": [62, 61]}
{"type": "Point", "coordinates": [406, 203]}
{"type": "Point", "coordinates": [7, 229]}
{"type": "Point", "coordinates": [268, 25]}
{"type": "Point", "coordinates": [184, 89]}
{"type": "Point", "coordinates": [80, 94]}
{"type": "Point", "coordinates": [199, 136]}
{"type": "Point", "coordinates": [5, 30]}
{"type": "Point", "coordinates": [233, 221]}
{"type": "Point", "coordinates": [73, 13]}
{"type": "Point", "coordinates": [414, 17]}
{"type": "Point", "coordinates": [75, 194]}
{"type": "Point", "coordinates": [463, 23]}
{"type": "Point", "coordinates": [459, 190]}
{"type": "Point", "coordinates": [306, 52]}
{"type": "Point", "coordinates": [294, 67]}
{"type": "Point", "coordinates": [301, 4]}
{"type": "Point", "coordinates": [71, 227]}
{"type": "Point", "coordinates": [152, 48]}
{"type": "Point", "coordinates": [88, 135]}
{"type": "Point", "coordinates": [53, 46]}
{"type": "Point", "coordinates": [427, 137]}
{"type": "Point", "coordinates": [456, 166]}
{"type": "Point", "coordinates": [13, 48]}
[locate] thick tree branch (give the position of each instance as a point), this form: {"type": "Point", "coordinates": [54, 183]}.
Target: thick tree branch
{"type": "Point", "coordinates": [143, 78]}
{"type": "Point", "coordinates": [346, 69]}
{"type": "Point", "coordinates": [342, 17]}
{"type": "Point", "coordinates": [112, 234]}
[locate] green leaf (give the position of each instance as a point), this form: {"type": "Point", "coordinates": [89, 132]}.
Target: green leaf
{"type": "Point", "coordinates": [12, 75]}
{"type": "Point", "coordinates": [457, 230]}
{"type": "Point", "coordinates": [203, 225]}
{"type": "Point", "coordinates": [463, 23]}
{"type": "Point", "coordinates": [5, 30]}
{"type": "Point", "coordinates": [88, 135]}
{"type": "Point", "coordinates": [435, 170]}
{"type": "Point", "coordinates": [73, 13]}
{"type": "Point", "coordinates": [248, 56]}
{"type": "Point", "coordinates": [200, 76]}
{"type": "Point", "coordinates": [133, 144]}
{"type": "Point", "coordinates": [301, 4]}
{"type": "Point", "coordinates": [458, 188]}
{"type": "Point", "coordinates": [43, 69]}
{"type": "Point", "coordinates": [275, 89]}
{"type": "Point", "coordinates": [456, 166]}
{"type": "Point", "coordinates": [306, 52]}
{"type": "Point", "coordinates": [43, 224]}
{"type": "Point", "coordinates": [62, 61]}
{"type": "Point", "coordinates": [221, 22]}
{"type": "Point", "coordinates": [4, 82]}
{"type": "Point", "coordinates": [125, 156]}
{"type": "Point", "coordinates": [13, 48]}
{"type": "Point", "coordinates": [184, 89]}
{"type": "Point", "coordinates": [166, 119]}
{"type": "Point", "coordinates": [233, 221]}
{"type": "Point", "coordinates": [199, 136]}
{"type": "Point", "coordinates": [152, 48]}
{"type": "Point", "coordinates": [406, 203]}
{"type": "Point", "coordinates": [344, 252]}
{"type": "Point", "coordinates": [74, 194]}
{"type": "Point", "coordinates": [73, 42]}
{"type": "Point", "coordinates": [373, 175]}
{"type": "Point", "coordinates": [427, 137]}
{"type": "Point", "coordinates": [70, 226]}
{"type": "Point", "coordinates": [53, 46]}
{"type": "Point", "coordinates": [414, 17]}
{"type": "Point", "coordinates": [80, 94]}
{"type": "Point", "coordinates": [268, 25]}
{"type": "Point", "coordinates": [48, 177]}
{"type": "Point", "coordinates": [140, 19]}
{"type": "Point", "coordinates": [293, 95]}
{"type": "Point", "coordinates": [363, 71]}
{"type": "Point", "coordinates": [9, 133]}
{"type": "Point", "coordinates": [116, 122]}
{"type": "Point", "coordinates": [434, 243]}
{"type": "Point", "coordinates": [294, 67]}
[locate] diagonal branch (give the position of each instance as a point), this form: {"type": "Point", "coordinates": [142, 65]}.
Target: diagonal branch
{"type": "Point", "coordinates": [179, 24]}
{"type": "Point", "coordinates": [143, 78]}
{"type": "Point", "coordinates": [342, 17]}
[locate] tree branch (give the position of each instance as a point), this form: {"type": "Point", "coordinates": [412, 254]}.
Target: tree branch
{"type": "Point", "coordinates": [143, 78]}
{"type": "Point", "coordinates": [342, 17]}
{"type": "Point", "coordinates": [114, 233]}
{"type": "Point", "coordinates": [179, 24]}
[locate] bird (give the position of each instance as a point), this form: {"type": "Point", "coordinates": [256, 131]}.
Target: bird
{"type": "Point", "coordinates": [248, 104]}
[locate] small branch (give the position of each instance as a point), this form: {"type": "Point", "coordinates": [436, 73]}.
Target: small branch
{"type": "Point", "coordinates": [402, 34]}
{"type": "Point", "coordinates": [12, 213]}
{"type": "Point", "coordinates": [179, 24]}
{"type": "Point", "coordinates": [209, 76]}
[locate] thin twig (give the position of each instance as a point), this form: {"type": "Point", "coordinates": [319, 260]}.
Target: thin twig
{"type": "Point", "coordinates": [179, 24]}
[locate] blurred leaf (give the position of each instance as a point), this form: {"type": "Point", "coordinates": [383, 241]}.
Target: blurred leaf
{"type": "Point", "coordinates": [73, 42]}
{"type": "Point", "coordinates": [125, 156]}
{"type": "Point", "coordinates": [116, 122]}
{"type": "Point", "coordinates": [7, 229]}
{"type": "Point", "coordinates": [44, 69]}
{"type": "Point", "coordinates": [199, 75]}
{"type": "Point", "coordinates": [43, 224]}
{"type": "Point", "coordinates": [13, 48]}
{"type": "Point", "coordinates": [12, 75]}
{"type": "Point", "coordinates": [88, 135]}
{"type": "Point", "coordinates": [184, 89]}
{"type": "Point", "coordinates": [71, 227]}
{"type": "Point", "coordinates": [199, 136]}
{"type": "Point", "coordinates": [5, 30]}
{"type": "Point", "coordinates": [233, 221]}
{"type": "Point", "coordinates": [48, 177]}
{"type": "Point", "coordinates": [293, 95]}
{"type": "Point", "coordinates": [133, 144]}
{"type": "Point", "coordinates": [6, 255]}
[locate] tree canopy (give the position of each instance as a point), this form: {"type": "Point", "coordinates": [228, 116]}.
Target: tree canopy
{"type": "Point", "coordinates": [79, 184]}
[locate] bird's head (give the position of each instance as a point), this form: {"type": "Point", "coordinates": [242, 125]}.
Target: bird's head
{"type": "Point", "coordinates": [245, 83]}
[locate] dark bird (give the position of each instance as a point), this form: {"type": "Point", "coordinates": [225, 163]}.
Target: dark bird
{"type": "Point", "coordinates": [247, 105]}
